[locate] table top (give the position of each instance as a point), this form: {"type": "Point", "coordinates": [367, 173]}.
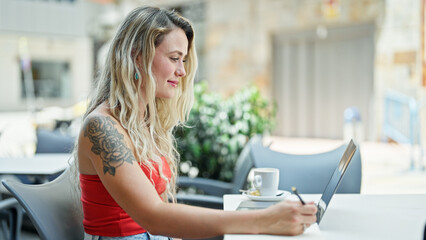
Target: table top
{"type": "Point", "coordinates": [356, 216]}
{"type": "Point", "coordinates": [39, 164]}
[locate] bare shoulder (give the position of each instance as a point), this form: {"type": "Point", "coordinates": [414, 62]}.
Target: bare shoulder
{"type": "Point", "coordinates": [108, 142]}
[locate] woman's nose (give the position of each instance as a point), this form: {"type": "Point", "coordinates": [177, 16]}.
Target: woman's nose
{"type": "Point", "coordinates": [180, 71]}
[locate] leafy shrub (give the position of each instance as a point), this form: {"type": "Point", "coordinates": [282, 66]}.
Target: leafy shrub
{"type": "Point", "coordinates": [219, 128]}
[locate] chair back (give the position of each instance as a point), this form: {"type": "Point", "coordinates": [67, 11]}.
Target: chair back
{"type": "Point", "coordinates": [11, 213]}
{"type": "Point", "coordinates": [243, 165]}
{"type": "Point", "coordinates": [53, 142]}
{"type": "Point", "coordinates": [53, 207]}
{"type": "Point", "coordinates": [310, 173]}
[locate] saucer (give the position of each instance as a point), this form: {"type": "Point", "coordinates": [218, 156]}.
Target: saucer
{"type": "Point", "coordinates": [269, 198]}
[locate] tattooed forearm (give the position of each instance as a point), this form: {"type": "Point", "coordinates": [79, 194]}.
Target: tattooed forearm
{"type": "Point", "coordinates": [108, 143]}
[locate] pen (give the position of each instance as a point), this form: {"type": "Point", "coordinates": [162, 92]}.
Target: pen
{"type": "Point", "coordinates": [297, 194]}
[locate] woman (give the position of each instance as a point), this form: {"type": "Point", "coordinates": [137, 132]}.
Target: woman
{"type": "Point", "coordinates": [126, 155]}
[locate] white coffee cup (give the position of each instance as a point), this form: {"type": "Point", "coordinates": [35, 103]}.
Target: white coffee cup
{"type": "Point", "coordinates": [266, 180]}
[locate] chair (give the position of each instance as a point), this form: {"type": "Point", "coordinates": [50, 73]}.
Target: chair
{"type": "Point", "coordinates": [53, 142]}
{"type": "Point", "coordinates": [10, 218]}
{"type": "Point", "coordinates": [215, 189]}
{"type": "Point", "coordinates": [11, 213]}
{"type": "Point", "coordinates": [50, 142]}
{"type": "Point", "coordinates": [424, 233]}
{"type": "Point", "coordinates": [310, 173]}
{"type": "Point", "coordinates": [52, 207]}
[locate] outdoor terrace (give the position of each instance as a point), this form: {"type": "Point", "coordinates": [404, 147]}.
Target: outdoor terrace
{"type": "Point", "coordinates": [385, 166]}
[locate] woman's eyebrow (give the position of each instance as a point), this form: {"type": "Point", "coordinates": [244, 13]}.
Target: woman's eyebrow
{"type": "Point", "coordinates": [178, 52]}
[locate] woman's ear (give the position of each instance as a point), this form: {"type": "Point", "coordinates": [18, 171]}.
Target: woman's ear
{"type": "Point", "coordinates": [133, 53]}
{"type": "Point", "coordinates": [138, 61]}
{"type": "Point", "coordinates": [137, 58]}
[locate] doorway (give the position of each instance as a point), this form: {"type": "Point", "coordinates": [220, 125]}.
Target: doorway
{"type": "Point", "coordinates": [317, 75]}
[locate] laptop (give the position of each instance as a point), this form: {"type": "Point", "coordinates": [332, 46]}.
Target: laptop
{"type": "Point", "coordinates": [329, 191]}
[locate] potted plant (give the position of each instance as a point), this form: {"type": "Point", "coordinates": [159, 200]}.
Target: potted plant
{"type": "Point", "coordinates": [219, 128]}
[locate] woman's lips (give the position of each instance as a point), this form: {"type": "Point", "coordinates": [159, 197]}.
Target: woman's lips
{"type": "Point", "coordinates": [173, 83]}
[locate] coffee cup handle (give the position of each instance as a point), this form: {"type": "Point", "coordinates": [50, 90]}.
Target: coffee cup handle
{"type": "Point", "coordinates": [257, 181]}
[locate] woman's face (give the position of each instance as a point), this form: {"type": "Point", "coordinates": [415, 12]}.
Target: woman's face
{"type": "Point", "coordinates": [168, 64]}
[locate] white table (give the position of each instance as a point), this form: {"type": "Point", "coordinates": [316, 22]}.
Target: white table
{"type": "Point", "coordinates": [355, 216]}
{"type": "Point", "coordinates": [39, 165]}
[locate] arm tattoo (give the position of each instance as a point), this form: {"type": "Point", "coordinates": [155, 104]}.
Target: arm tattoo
{"type": "Point", "coordinates": [108, 143]}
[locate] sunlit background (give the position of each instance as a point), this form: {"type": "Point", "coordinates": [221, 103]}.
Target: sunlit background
{"type": "Point", "coordinates": [332, 70]}
{"type": "Point", "coordinates": [336, 69]}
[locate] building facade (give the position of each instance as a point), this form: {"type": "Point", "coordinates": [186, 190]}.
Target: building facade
{"type": "Point", "coordinates": [315, 58]}
{"type": "Point", "coordinates": [51, 39]}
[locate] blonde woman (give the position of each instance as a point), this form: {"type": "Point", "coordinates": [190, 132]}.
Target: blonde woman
{"type": "Point", "coordinates": [126, 155]}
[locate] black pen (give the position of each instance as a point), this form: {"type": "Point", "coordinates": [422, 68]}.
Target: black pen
{"type": "Point", "coordinates": [297, 194]}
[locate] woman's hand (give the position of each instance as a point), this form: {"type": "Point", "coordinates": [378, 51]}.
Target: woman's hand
{"type": "Point", "coordinates": [287, 218]}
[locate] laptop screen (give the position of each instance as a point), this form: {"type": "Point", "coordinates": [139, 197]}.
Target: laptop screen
{"type": "Point", "coordinates": [335, 180]}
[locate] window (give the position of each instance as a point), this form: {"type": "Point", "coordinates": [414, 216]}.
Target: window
{"type": "Point", "coordinates": [51, 79]}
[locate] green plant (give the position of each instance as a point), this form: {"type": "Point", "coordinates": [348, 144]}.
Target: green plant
{"type": "Point", "coordinates": [219, 128]}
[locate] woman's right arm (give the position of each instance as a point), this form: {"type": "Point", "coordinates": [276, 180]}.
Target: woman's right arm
{"type": "Point", "coordinates": [178, 220]}
{"type": "Point", "coordinates": [109, 149]}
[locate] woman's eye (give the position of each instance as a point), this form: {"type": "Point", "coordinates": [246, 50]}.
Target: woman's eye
{"type": "Point", "coordinates": [175, 59]}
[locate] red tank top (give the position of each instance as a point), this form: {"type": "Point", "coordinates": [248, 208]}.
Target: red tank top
{"type": "Point", "coordinates": [102, 215]}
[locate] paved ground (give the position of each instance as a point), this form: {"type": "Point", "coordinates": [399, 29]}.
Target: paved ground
{"type": "Point", "coordinates": [387, 170]}
{"type": "Point", "coordinates": [386, 166]}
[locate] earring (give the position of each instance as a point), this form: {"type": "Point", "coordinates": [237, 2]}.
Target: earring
{"type": "Point", "coordinates": [136, 76]}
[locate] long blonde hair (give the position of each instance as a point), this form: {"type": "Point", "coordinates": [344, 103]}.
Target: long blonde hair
{"type": "Point", "coordinates": [138, 35]}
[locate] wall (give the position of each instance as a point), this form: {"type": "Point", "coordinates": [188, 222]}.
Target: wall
{"type": "Point", "coordinates": [238, 41]}
{"type": "Point", "coordinates": [45, 17]}
{"type": "Point", "coordinates": [240, 34]}
{"type": "Point", "coordinates": [75, 50]}
{"type": "Point", "coordinates": [55, 31]}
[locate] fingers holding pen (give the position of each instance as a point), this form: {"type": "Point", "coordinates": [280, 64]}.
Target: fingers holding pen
{"type": "Point", "coordinates": [290, 217]}
{"type": "Point", "coordinates": [307, 212]}
{"type": "Point", "coordinates": [308, 215]}
{"type": "Point", "coordinates": [307, 209]}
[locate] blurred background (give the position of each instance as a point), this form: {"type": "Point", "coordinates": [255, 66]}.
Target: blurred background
{"type": "Point", "coordinates": [325, 70]}
{"type": "Point", "coordinates": [307, 74]}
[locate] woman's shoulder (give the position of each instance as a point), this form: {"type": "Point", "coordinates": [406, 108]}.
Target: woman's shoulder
{"type": "Point", "coordinates": [102, 119]}
{"type": "Point", "coordinates": [101, 124]}
{"type": "Point", "coordinates": [104, 140]}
